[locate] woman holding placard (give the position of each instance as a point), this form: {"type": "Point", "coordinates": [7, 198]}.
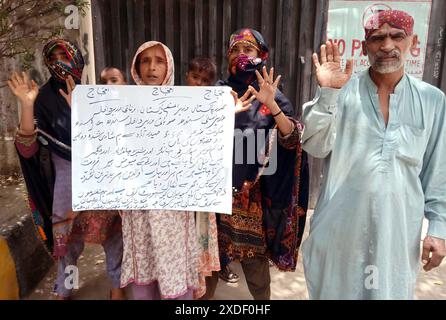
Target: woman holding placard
{"type": "Point", "coordinates": [160, 246]}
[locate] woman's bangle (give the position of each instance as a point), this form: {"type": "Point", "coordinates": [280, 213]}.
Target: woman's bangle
{"type": "Point", "coordinates": [275, 115]}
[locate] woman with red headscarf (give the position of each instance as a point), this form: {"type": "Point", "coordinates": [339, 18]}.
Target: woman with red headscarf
{"type": "Point", "coordinates": [269, 208]}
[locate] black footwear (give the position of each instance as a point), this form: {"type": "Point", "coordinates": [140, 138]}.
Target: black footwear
{"type": "Point", "coordinates": [227, 275]}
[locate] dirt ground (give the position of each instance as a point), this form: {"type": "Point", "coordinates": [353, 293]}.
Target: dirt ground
{"type": "Point", "coordinates": [284, 286]}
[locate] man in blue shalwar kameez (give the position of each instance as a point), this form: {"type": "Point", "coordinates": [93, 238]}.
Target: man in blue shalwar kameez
{"type": "Point", "coordinates": [382, 135]}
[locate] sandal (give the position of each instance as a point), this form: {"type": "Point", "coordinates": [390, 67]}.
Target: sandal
{"type": "Point", "coordinates": [227, 275]}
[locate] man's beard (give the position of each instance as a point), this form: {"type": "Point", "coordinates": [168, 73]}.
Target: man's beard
{"type": "Point", "coordinates": [386, 67]}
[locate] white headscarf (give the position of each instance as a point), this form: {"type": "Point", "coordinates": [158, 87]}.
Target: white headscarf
{"type": "Point", "coordinates": [169, 80]}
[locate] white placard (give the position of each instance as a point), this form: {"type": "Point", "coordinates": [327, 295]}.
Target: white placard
{"type": "Point", "coordinates": [346, 27]}
{"type": "Point", "coordinates": [144, 147]}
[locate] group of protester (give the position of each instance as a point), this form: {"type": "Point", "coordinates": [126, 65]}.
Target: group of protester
{"type": "Point", "coordinates": [381, 133]}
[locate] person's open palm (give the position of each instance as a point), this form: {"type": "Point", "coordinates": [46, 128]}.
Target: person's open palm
{"type": "Point", "coordinates": [243, 103]}
{"type": "Point", "coordinates": [267, 87]}
{"type": "Point", "coordinates": [24, 89]}
{"type": "Point", "coordinates": [328, 70]}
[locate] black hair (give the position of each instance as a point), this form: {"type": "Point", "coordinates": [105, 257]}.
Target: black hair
{"type": "Point", "coordinates": [201, 64]}
{"type": "Point", "coordinates": [110, 68]}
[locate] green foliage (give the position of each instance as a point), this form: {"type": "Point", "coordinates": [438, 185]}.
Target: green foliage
{"type": "Point", "coordinates": [26, 60]}
{"type": "Point", "coordinates": [24, 24]}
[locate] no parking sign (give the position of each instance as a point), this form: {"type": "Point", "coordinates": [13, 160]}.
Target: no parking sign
{"type": "Point", "coordinates": [346, 19]}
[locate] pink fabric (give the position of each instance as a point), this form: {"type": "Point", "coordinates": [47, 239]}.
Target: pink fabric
{"type": "Point", "coordinates": [26, 145]}
{"type": "Point", "coordinates": [146, 292]}
{"type": "Point", "coordinates": [27, 151]}
{"type": "Point", "coordinates": [206, 224]}
{"type": "Point", "coordinates": [160, 246]}
{"type": "Point", "coordinates": [169, 80]}
{"type": "Point", "coordinates": [151, 292]}
{"type": "Point", "coordinates": [395, 18]}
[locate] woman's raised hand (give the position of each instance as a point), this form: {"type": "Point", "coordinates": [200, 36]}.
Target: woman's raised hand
{"type": "Point", "coordinates": [244, 103]}
{"type": "Point", "coordinates": [70, 88]}
{"type": "Point", "coordinates": [24, 89]}
{"type": "Point", "coordinates": [267, 87]}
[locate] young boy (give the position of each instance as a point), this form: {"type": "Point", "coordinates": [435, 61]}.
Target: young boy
{"type": "Point", "coordinates": [202, 72]}
{"type": "Point", "coordinates": [112, 75]}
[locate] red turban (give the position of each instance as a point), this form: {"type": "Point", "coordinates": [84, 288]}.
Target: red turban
{"type": "Point", "coordinates": [394, 18]}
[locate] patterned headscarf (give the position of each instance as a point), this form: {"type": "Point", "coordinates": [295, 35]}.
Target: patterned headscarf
{"type": "Point", "coordinates": [242, 69]}
{"type": "Point", "coordinates": [395, 18]}
{"type": "Point", "coordinates": [169, 80]}
{"type": "Point", "coordinates": [251, 37]}
{"type": "Point", "coordinates": [60, 70]}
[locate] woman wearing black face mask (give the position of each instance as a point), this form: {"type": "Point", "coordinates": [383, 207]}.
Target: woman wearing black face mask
{"type": "Point", "coordinates": [43, 143]}
{"type": "Point", "coordinates": [269, 206]}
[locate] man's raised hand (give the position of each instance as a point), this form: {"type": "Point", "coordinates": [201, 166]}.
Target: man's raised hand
{"type": "Point", "coordinates": [328, 69]}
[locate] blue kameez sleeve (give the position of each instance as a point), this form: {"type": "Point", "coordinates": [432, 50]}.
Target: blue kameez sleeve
{"type": "Point", "coordinates": [319, 118]}
{"type": "Point", "coordinates": [433, 175]}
